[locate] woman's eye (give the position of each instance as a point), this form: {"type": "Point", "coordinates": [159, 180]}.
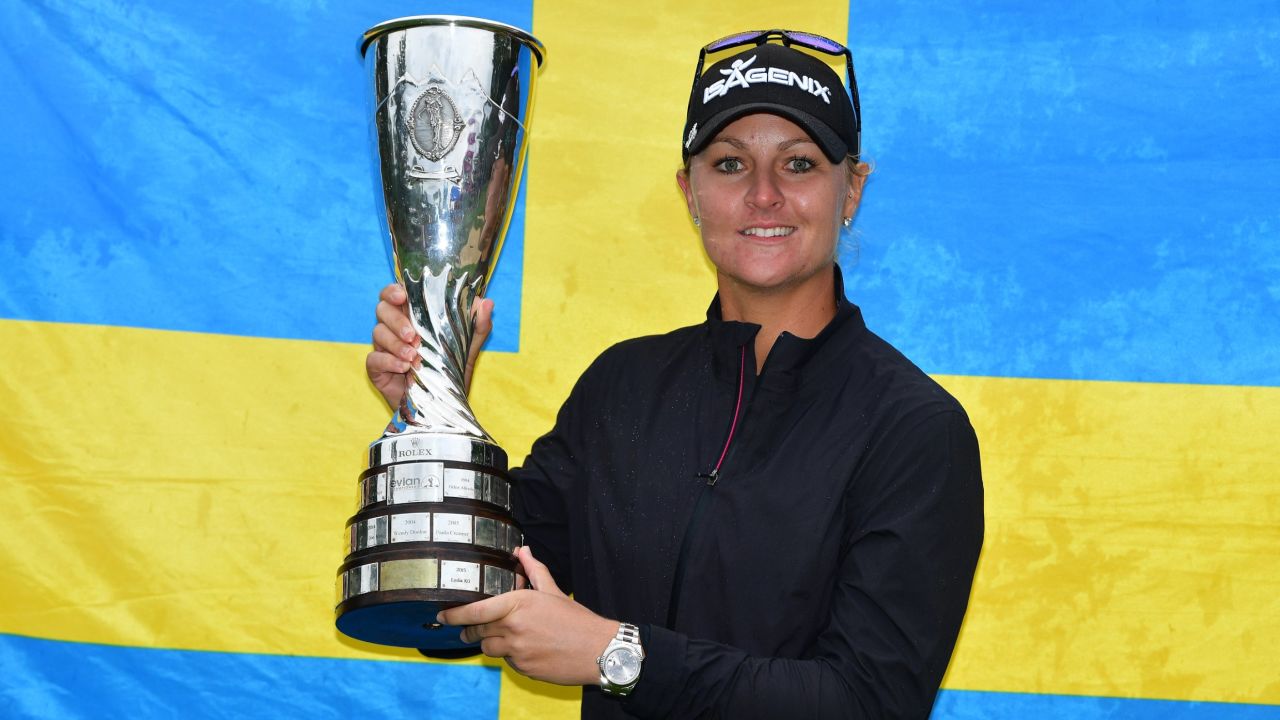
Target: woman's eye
{"type": "Point", "coordinates": [729, 165]}
{"type": "Point", "coordinates": [800, 164]}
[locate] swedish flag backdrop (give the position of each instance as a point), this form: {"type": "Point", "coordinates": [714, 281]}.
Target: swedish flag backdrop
{"type": "Point", "coordinates": [1074, 224]}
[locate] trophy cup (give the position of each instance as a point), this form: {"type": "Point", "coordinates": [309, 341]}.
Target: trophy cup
{"type": "Point", "coordinates": [433, 525]}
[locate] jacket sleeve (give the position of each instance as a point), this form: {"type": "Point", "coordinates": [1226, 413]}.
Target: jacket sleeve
{"type": "Point", "coordinates": [899, 597]}
{"type": "Point", "coordinates": [544, 483]}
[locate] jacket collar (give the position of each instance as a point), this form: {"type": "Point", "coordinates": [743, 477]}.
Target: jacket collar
{"type": "Point", "coordinates": [792, 358]}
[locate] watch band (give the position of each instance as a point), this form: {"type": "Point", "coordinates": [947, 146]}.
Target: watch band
{"type": "Point", "coordinates": [627, 644]}
{"type": "Point", "coordinates": [628, 633]}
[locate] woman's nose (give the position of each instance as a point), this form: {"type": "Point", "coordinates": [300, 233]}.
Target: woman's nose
{"type": "Point", "coordinates": [764, 191]}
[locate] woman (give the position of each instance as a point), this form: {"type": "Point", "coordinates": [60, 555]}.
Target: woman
{"type": "Point", "coordinates": [773, 513]}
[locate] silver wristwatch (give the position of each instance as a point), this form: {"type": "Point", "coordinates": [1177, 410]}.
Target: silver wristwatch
{"type": "Point", "coordinates": [620, 661]}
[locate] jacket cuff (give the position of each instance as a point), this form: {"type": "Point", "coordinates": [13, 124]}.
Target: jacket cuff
{"type": "Point", "coordinates": [662, 676]}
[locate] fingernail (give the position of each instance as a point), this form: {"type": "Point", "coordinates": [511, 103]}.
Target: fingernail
{"type": "Point", "coordinates": [406, 332]}
{"type": "Point", "coordinates": [407, 353]}
{"type": "Point", "coordinates": [440, 618]}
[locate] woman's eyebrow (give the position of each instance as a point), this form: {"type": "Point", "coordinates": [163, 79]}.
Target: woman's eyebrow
{"type": "Point", "coordinates": [781, 146]}
{"type": "Point", "coordinates": [794, 141]}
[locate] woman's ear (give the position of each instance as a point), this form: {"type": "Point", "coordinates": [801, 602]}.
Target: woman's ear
{"type": "Point", "coordinates": [682, 179]}
{"type": "Point", "coordinates": [856, 182]}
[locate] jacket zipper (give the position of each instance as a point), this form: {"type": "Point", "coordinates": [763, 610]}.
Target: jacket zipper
{"type": "Point", "coordinates": [673, 607]}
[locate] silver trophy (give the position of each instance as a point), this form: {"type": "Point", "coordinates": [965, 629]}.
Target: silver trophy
{"type": "Point", "coordinates": [433, 526]}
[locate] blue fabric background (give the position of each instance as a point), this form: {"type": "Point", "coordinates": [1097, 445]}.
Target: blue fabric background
{"type": "Point", "coordinates": [1073, 190]}
{"type": "Point", "coordinates": [102, 681]}
{"type": "Point", "coordinates": [201, 167]}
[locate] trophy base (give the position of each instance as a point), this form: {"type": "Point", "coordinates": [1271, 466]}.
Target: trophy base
{"type": "Point", "coordinates": [391, 598]}
{"type": "Point", "coordinates": [433, 530]}
{"type": "Point", "coordinates": [406, 622]}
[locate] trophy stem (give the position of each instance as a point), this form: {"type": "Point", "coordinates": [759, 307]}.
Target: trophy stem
{"type": "Point", "coordinates": [436, 399]}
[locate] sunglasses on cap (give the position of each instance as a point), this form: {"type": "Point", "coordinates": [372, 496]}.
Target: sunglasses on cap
{"type": "Point", "coordinates": [809, 41]}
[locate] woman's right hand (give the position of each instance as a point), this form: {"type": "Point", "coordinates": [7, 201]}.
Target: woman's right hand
{"type": "Point", "coordinates": [395, 343]}
{"type": "Point", "coordinates": [395, 346]}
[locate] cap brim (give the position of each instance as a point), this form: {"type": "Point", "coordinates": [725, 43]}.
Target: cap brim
{"type": "Point", "coordinates": [832, 146]}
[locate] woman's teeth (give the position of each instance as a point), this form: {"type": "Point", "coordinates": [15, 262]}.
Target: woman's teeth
{"type": "Point", "coordinates": [768, 232]}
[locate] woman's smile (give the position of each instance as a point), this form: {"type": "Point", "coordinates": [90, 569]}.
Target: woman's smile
{"type": "Point", "coordinates": [768, 231]}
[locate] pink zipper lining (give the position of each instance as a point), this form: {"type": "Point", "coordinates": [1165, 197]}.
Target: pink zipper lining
{"type": "Point", "coordinates": [742, 369]}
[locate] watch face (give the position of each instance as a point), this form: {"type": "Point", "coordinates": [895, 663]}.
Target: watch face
{"type": "Point", "coordinates": [622, 666]}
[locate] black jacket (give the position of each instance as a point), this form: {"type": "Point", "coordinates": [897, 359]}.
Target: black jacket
{"type": "Point", "coordinates": [823, 574]}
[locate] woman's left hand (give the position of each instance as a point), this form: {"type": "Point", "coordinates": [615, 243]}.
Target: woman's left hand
{"type": "Point", "coordinates": [541, 632]}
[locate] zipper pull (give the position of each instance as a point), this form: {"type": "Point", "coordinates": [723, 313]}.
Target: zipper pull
{"type": "Point", "coordinates": [711, 477]}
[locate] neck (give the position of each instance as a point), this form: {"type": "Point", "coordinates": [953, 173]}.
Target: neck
{"type": "Point", "coordinates": [802, 310]}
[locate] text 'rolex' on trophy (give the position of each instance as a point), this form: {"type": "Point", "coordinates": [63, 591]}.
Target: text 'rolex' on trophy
{"type": "Point", "coordinates": [433, 526]}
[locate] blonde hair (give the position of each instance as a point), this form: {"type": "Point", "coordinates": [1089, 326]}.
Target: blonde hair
{"type": "Point", "coordinates": [859, 167]}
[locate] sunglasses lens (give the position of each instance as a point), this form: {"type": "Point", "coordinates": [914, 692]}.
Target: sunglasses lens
{"type": "Point", "coordinates": [817, 42]}
{"type": "Point", "coordinates": [732, 40]}
{"type": "Point", "coordinates": [809, 40]}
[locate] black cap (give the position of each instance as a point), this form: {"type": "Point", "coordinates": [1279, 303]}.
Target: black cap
{"type": "Point", "coordinates": [777, 80]}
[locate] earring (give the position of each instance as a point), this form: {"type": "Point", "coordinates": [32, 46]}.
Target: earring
{"type": "Point", "coordinates": [847, 221]}
{"type": "Point", "coordinates": [697, 222]}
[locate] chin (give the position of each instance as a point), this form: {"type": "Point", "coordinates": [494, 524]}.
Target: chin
{"type": "Point", "coordinates": [758, 278]}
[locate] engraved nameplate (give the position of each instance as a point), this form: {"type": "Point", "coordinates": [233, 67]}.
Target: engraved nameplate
{"type": "Point", "coordinates": [372, 489]}
{"type": "Point", "coordinates": [458, 575]}
{"type": "Point", "coordinates": [410, 574]}
{"type": "Point", "coordinates": [411, 527]}
{"type": "Point", "coordinates": [451, 527]}
{"type": "Point", "coordinates": [361, 579]}
{"type": "Point", "coordinates": [368, 533]}
{"type": "Point", "coordinates": [459, 483]}
{"type": "Point", "coordinates": [487, 532]}
{"type": "Point", "coordinates": [415, 482]}
{"type": "Point", "coordinates": [498, 580]}
{"type": "Point", "coordinates": [499, 493]}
